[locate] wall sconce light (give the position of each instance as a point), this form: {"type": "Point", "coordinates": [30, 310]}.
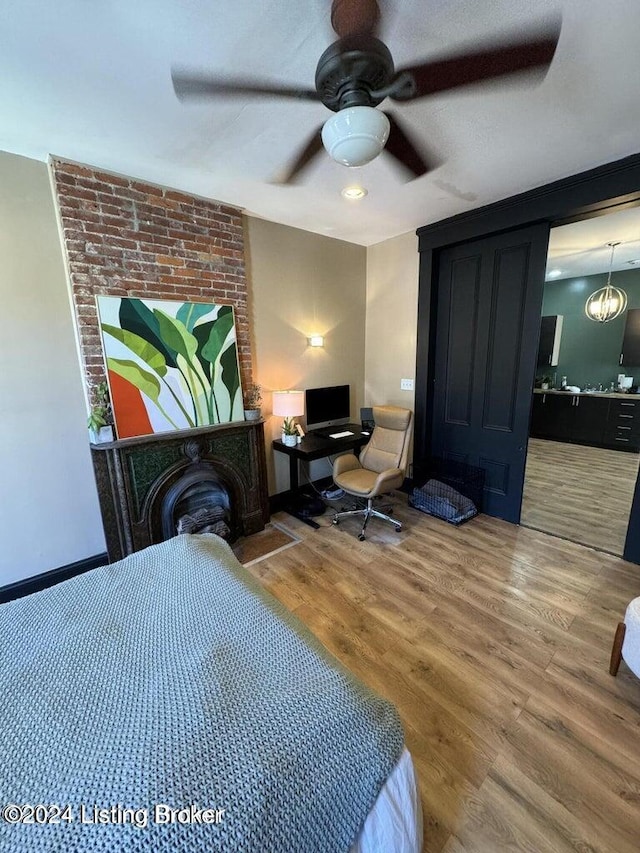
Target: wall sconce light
{"type": "Point", "coordinates": [316, 341]}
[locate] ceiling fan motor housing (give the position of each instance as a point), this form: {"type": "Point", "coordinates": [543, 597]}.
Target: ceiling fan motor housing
{"type": "Point", "coordinates": [351, 69]}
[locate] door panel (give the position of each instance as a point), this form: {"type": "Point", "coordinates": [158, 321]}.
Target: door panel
{"type": "Point", "coordinates": [463, 328]}
{"type": "Point", "coordinates": [496, 476]}
{"type": "Point", "coordinates": [489, 305]}
{"type": "Point", "coordinates": [504, 337]}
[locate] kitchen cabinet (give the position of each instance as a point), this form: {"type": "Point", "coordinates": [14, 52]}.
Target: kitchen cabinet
{"type": "Point", "coordinates": [538, 414]}
{"type": "Point", "coordinates": [630, 355]}
{"type": "Point", "coordinates": [587, 419]}
{"type": "Point", "coordinates": [623, 425]}
{"type": "Point", "coordinates": [570, 417]}
{"type": "Point", "coordinates": [555, 416]}
{"type": "Point", "coordinates": [549, 344]}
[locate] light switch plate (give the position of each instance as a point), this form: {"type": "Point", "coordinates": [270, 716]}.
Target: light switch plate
{"type": "Point", "coordinates": [406, 384]}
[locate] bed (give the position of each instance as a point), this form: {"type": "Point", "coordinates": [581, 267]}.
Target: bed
{"type": "Point", "coordinates": [168, 703]}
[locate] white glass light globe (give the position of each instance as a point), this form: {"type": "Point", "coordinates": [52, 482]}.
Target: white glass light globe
{"type": "Point", "coordinates": [356, 135]}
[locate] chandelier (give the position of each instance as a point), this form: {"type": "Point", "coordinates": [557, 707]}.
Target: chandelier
{"type": "Point", "coordinates": [609, 302]}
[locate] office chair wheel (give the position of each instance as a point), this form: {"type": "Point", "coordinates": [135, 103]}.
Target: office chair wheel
{"type": "Point", "coordinates": [398, 528]}
{"type": "Point", "coordinates": [361, 537]}
{"type": "Point", "coordinates": [336, 521]}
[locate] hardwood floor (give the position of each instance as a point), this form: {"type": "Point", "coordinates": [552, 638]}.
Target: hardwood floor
{"type": "Point", "coordinates": [493, 641]}
{"type": "Point", "coordinates": [580, 493]}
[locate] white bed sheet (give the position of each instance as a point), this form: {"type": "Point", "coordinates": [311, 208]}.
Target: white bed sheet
{"type": "Point", "coordinates": [394, 824]}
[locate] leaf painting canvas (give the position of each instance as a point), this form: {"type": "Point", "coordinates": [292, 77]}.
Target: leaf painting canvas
{"type": "Point", "coordinates": [170, 365]}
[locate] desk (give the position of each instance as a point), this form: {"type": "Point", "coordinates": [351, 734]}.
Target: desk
{"type": "Point", "coordinates": [313, 447]}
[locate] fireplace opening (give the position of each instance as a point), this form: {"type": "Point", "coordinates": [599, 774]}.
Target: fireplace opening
{"type": "Point", "coordinates": [204, 508]}
{"type": "Point", "coordinates": [198, 502]}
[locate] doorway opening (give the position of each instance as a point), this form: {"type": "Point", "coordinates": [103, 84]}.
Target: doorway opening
{"type": "Point", "coordinates": [584, 439]}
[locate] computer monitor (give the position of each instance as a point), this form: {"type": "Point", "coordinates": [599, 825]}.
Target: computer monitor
{"type": "Point", "coordinates": [327, 406]}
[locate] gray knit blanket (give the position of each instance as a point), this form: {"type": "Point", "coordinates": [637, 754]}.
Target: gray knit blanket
{"type": "Point", "coordinates": [168, 703]}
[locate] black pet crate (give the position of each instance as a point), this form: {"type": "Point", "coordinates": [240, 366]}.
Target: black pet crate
{"type": "Point", "coordinates": [453, 491]}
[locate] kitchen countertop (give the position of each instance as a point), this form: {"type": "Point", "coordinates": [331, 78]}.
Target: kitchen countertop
{"type": "Point", "coordinates": [615, 395]}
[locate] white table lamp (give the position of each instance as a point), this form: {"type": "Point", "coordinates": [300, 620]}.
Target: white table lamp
{"type": "Point", "coordinates": [288, 405]}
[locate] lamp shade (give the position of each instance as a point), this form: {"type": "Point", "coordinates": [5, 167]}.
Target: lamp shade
{"type": "Point", "coordinates": [288, 404]}
{"type": "Point", "coordinates": [355, 135]}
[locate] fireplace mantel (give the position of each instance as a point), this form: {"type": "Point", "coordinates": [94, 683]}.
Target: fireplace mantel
{"type": "Point", "coordinates": [134, 476]}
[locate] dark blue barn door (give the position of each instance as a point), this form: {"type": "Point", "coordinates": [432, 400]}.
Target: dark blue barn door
{"type": "Point", "coordinates": [488, 324]}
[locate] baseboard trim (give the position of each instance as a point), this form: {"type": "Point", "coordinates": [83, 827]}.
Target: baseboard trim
{"type": "Point", "coordinates": [42, 581]}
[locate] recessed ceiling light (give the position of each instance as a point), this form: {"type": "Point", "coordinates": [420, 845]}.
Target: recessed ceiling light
{"type": "Point", "coordinates": [354, 193]}
{"type": "Point", "coordinates": [554, 273]}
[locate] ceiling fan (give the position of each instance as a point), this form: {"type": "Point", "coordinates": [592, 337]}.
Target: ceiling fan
{"type": "Point", "coordinates": [356, 73]}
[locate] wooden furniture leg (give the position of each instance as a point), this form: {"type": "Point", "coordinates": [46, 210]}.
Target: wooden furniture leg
{"type": "Point", "coordinates": [616, 651]}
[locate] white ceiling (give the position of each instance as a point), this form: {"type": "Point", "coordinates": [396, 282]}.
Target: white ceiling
{"type": "Point", "coordinates": [90, 81]}
{"type": "Point", "coordinates": [581, 248]}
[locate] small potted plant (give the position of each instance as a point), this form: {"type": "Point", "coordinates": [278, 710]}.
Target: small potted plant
{"type": "Point", "coordinates": [289, 432]}
{"type": "Point", "coordinates": [545, 383]}
{"type": "Point", "coordinates": [100, 418]}
{"type": "Point", "coordinates": [252, 400]}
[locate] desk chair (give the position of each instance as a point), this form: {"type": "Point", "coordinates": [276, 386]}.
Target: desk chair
{"type": "Point", "coordinates": [380, 467]}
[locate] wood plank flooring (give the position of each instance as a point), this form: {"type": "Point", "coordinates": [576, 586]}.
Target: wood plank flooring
{"type": "Point", "coordinates": [580, 493]}
{"type": "Point", "coordinates": [493, 642]}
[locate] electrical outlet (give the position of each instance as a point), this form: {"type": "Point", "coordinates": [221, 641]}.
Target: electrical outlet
{"type": "Point", "coordinates": [406, 384]}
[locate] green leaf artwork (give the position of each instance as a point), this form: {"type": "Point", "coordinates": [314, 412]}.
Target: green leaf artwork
{"type": "Point", "coordinates": [146, 351]}
{"type": "Point", "coordinates": [135, 316]}
{"type": "Point", "coordinates": [173, 365]}
{"type": "Point", "coordinates": [191, 312]}
{"type": "Point", "coordinates": [230, 376]}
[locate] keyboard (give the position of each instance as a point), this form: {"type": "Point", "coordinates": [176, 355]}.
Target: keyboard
{"type": "Point", "coordinates": [340, 430]}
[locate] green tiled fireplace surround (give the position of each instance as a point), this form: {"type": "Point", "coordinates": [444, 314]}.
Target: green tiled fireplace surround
{"type": "Point", "coordinates": [134, 476]}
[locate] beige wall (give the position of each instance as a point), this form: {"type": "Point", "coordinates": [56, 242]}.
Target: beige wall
{"type": "Point", "coordinates": [49, 512]}
{"type": "Point", "coordinates": [299, 284]}
{"type": "Point", "coordinates": [364, 301]}
{"type": "Point", "coordinates": [392, 319]}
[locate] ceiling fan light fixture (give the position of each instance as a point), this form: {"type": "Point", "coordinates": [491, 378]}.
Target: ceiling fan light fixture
{"type": "Point", "coordinates": [608, 302]}
{"type": "Point", "coordinates": [356, 135]}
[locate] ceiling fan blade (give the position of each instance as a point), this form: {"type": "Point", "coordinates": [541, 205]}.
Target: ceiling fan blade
{"type": "Point", "coordinates": [463, 69]}
{"type": "Point", "coordinates": [312, 147]}
{"type": "Point", "coordinates": [402, 148]}
{"type": "Point", "coordinates": [354, 17]}
{"type": "Point", "coordinates": [188, 85]}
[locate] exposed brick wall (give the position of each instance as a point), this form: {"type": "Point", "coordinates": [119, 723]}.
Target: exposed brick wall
{"type": "Point", "coordinates": [127, 238]}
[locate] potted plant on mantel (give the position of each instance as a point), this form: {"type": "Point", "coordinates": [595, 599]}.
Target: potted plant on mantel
{"type": "Point", "coordinates": [252, 399]}
{"type": "Point", "coordinates": [289, 432]}
{"type": "Point", "coordinates": [100, 418]}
